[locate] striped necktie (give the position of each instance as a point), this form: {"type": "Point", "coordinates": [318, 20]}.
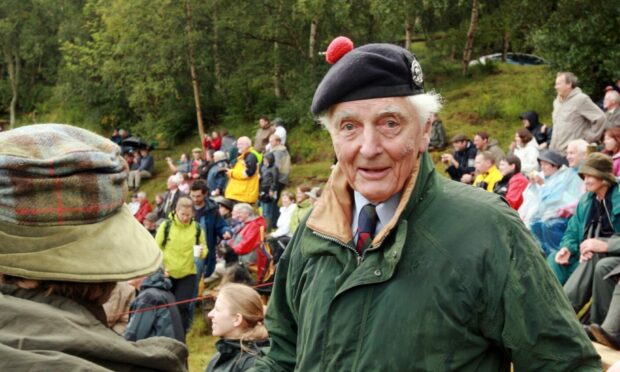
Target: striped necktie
{"type": "Point", "coordinates": [366, 225]}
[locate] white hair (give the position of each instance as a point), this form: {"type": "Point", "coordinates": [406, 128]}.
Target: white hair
{"type": "Point", "coordinates": [580, 145]}
{"type": "Point", "coordinates": [614, 96]}
{"type": "Point", "coordinates": [424, 104]}
{"type": "Point", "coordinates": [244, 207]}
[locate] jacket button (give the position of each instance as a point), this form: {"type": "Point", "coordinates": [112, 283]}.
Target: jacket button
{"type": "Point", "coordinates": [377, 272]}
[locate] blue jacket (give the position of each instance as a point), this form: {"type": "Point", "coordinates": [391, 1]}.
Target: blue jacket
{"type": "Point", "coordinates": [213, 225]}
{"type": "Point", "coordinates": [216, 176]}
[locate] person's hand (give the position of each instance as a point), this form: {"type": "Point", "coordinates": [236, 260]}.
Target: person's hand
{"type": "Point", "coordinates": [591, 246]}
{"type": "Point", "coordinates": [535, 178]}
{"type": "Point", "coordinates": [168, 159]}
{"type": "Point", "coordinates": [166, 274]}
{"type": "Point", "coordinates": [512, 146]}
{"type": "Point", "coordinates": [562, 256]}
{"type": "Point", "coordinates": [467, 178]}
{"type": "Point", "coordinates": [226, 235]}
{"type": "Point", "coordinates": [447, 159]}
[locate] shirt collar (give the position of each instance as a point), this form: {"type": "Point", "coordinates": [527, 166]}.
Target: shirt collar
{"type": "Point", "coordinates": [385, 210]}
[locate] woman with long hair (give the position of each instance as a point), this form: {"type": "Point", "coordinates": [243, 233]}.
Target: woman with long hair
{"type": "Point", "coordinates": [237, 319]}
{"type": "Point", "coordinates": [526, 150]}
{"type": "Point", "coordinates": [611, 142]}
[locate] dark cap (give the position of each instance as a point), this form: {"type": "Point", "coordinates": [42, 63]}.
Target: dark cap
{"type": "Point", "coordinates": [459, 137]}
{"type": "Point", "coordinates": [370, 71]}
{"type": "Point", "coordinates": [552, 157]}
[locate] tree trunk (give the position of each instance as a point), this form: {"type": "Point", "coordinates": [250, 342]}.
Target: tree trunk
{"type": "Point", "coordinates": [11, 57]}
{"type": "Point", "coordinates": [469, 43]}
{"type": "Point", "coordinates": [217, 66]}
{"type": "Point", "coordinates": [276, 71]}
{"type": "Point", "coordinates": [408, 34]}
{"type": "Point", "coordinates": [312, 43]}
{"type": "Point", "coordinates": [192, 69]}
{"type": "Point", "coordinates": [505, 44]}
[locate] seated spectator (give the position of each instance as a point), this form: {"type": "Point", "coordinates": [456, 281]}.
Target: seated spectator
{"type": "Point", "coordinates": [546, 198]}
{"type": "Point", "coordinates": [184, 182]}
{"type": "Point", "coordinates": [145, 207]}
{"type": "Point", "coordinates": [278, 240]}
{"type": "Point", "coordinates": [225, 208]}
{"type": "Point", "coordinates": [540, 132]}
{"type": "Point", "coordinates": [116, 137]}
{"type": "Point", "coordinates": [303, 206]}
{"type": "Point", "coordinates": [611, 142]}
{"type": "Point", "coordinates": [314, 194]}
{"type": "Point", "coordinates": [513, 182]}
{"type": "Point", "coordinates": [177, 238]}
{"type": "Point", "coordinates": [150, 223]}
{"type": "Point", "coordinates": [216, 175]}
{"type": "Point", "coordinates": [237, 319]}
{"type": "Point", "coordinates": [576, 152]}
{"type": "Point", "coordinates": [183, 165]}
{"type": "Point", "coordinates": [155, 291]}
{"type": "Point", "coordinates": [611, 104]}
{"type": "Point", "coordinates": [606, 298]}
{"type": "Point", "coordinates": [268, 188]}
{"type": "Point", "coordinates": [487, 173]}
{"type": "Point", "coordinates": [129, 157]}
{"type": "Point", "coordinates": [246, 243]}
{"type": "Point", "coordinates": [437, 141]}
{"type": "Point", "coordinates": [145, 169]}
{"type": "Point", "coordinates": [196, 163]}
{"type": "Point", "coordinates": [482, 142]}
{"type": "Point", "coordinates": [117, 306]}
{"type": "Point", "coordinates": [526, 149]}
{"type": "Point", "coordinates": [597, 218]}
{"type": "Point", "coordinates": [460, 164]}
{"type": "Point", "coordinates": [134, 204]}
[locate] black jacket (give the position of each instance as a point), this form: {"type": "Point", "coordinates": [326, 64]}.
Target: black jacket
{"type": "Point", "coordinates": [230, 358]}
{"type": "Point", "coordinates": [465, 158]}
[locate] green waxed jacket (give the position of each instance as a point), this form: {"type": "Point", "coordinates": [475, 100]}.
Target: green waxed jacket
{"type": "Point", "coordinates": [453, 283]}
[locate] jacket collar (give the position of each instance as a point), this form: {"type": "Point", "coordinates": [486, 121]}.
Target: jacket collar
{"type": "Point", "coordinates": [332, 214]}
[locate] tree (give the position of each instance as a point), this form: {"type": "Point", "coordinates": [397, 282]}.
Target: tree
{"type": "Point", "coordinates": [469, 43]}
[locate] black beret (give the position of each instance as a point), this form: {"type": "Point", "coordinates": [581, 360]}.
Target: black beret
{"type": "Point", "coordinates": [370, 71]}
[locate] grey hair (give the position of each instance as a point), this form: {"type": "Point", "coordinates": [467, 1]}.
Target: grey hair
{"type": "Point", "coordinates": [580, 145]}
{"type": "Point", "coordinates": [424, 105]}
{"type": "Point", "coordinates": [614, 96]}
{"type": "Point", "coordinates": [244, 207]}
{"type": "Point", "coordinates": [569, 78]}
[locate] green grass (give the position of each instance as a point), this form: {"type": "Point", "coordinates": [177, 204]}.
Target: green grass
{"type": "Point", "coordinates": [201, 345]}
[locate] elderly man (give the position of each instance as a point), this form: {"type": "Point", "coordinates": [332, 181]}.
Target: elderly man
{"type": "Point", "coordinates": [611, 102]}
{"type": "Point", "coordinates": [66, 238]}
{"type": "Point", "coordinates": [243, 176]}
{"type": "Point", "coordinates": [574, 114]}
{"type": "Point", "coordinates": [397, 267]}
{"type": "Point", "coordinates": [246, 243]}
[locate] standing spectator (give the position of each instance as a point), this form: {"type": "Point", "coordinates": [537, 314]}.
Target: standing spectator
{"type": "Point", "coordinates": [145, 207]}
{"type": "Point", "coordinates": [184, 182]}
{"type": "Point", "coordinates": [460, 164]}
{"type": "Point", "coordinates": [160, 320]}
{"type": "Point", "coordinates": [196, 164]}
{"type": "Point", "coordinates": [246, 242]}
{"type": "Point", "coordinates": [487, 173]}
{"type": "Point", "coordinates": [178, 238]}
{"type": "Point", "coordinates": [268, 189]}
{"type": "Point", "coordinates": [611, 142]}
{"type": "Point", "coordinates": [212, 142]}
{"type": "Point", "coordinates": [134, 204]}
{"type": "Point", "coordinates": [574, 114]}
{"type": "Point", "coordinates": [150, 223]}
{"type": "Point", "coordinates": [145, 169]}
{"type": "Point", "coordinates": [303, 206]}
{"type": "Point", "coordinates": [206, 213]}
{"type": "Point", "coordinates": [612, 113]}
{"type": "Point", "coordinates": [437, 141]}
{"type": "Point", "coordinates": [237, 319]}
{"type": "Point", "coordinates": [513, 183]}
{"type": "Point", "coordinates": [228, 142]}
{"type": "Point", "coordinates": [60, 261]}
{"type": "Point", "coordinates": [280, 130]}
{"type": "Point", "coordinates": [117, 306]}
{"type": "Point", "coordinates": [282, 160]}
{"type": "Point", "coordinates": [281, 236]}
{"type": "Point", "coordinates": [265, 129]}
{"type": "Point", "coordinates": [171, 197]}
{"type": "Point", "coordinates": [541, 133]}
{"type": "Point", "coordinates": [243, 177]}
{"type": "Point", "coordinates": [484, 143]}
{"type": "Point", "coordinates": [182, 166]}
{"type": "Point", "coordinates": [526, 149]}
{"type": "Point", "coordinates": [216, 175]}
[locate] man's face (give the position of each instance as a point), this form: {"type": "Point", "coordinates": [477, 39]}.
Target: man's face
{"type": "Point", "coordinates": [377, 143]}
{"type": "Point", "coordinates": [480, 142]}
{"type": "Point", "coordinates": [240, 215]}
{"type": "Point", "coordinates": [562, 87]}
{"type": "Point", "coordinates": [197, 197]}
{"type": "Point", "coordinates": [573, 156]}
{"type": "Point", "coordinates": [505, 167]}
{"type": "Point", "coordinates": [242, 146]}
{"type": "Point", "coordinates": [481, 164]}
{"type": "Point", "coordinates": [609, 103]}
{"type": "Point", "coordinates": [172, 185]}
{"type": "Point", "coordinates": [263, 123]}
{"type": "Point", "coordinates": [459, 145]}
{"type": "Point", "coordinates": [185, 214]}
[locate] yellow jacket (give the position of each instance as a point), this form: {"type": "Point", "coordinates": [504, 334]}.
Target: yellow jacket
{"type": "Point", "coordinates": [489, 178]}
{"type": "Point", "coordinates": [179, 249]}
{"type": "Point", "coordinates": [241, 187]}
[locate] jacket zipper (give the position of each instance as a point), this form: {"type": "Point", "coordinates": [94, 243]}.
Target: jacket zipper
{"type": "Point", "coordinates": [360, 258]}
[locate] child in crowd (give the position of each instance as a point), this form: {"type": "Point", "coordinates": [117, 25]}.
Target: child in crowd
{"type": "Point", "coordinates": [237, 319]}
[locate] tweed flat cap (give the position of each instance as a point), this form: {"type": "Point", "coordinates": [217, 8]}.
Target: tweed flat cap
{"type": "Point", "coordinates": [62, 208]}
{"type": "Point", "coordinates": [370, 71]}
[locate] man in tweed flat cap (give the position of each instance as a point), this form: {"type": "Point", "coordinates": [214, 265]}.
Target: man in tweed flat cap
{"type": "Point", "coordinates": [397, 268]}
{"type": "Point", "coordinates": [66, 238]}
